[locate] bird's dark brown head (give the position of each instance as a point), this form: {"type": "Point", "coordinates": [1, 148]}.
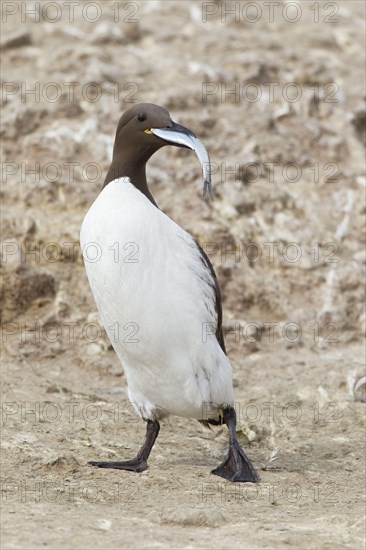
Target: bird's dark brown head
{"type": "Point", "coordinates": [142, 130]}
{"type": "Point", "coordinates": [138, 120]}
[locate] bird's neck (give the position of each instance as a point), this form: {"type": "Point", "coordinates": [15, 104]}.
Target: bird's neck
{"type": "Point", "coordinates": [125, 164]}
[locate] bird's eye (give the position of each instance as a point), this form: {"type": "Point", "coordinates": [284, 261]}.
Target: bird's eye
{"type": "Point", "coordinates": [141, 117]}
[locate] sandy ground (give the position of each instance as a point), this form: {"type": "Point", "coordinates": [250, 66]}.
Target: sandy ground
{"type": "Point", "coordinates": [285, 234]}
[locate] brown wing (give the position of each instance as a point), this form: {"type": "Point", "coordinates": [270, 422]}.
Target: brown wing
{"type": "Point", "coordinates": [218, 304]}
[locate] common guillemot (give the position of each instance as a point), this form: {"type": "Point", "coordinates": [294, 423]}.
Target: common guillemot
{"type": "Point", "coordinates": [168, 291]}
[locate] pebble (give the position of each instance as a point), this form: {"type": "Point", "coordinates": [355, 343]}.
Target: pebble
{"type": "Point", "coordinates": [15, 39]}
{"type": "Point", "coordinates": [94, 349]}
{"type": "Point", "coordinates": [359, 389]}
{"type": "Point", "coordinates": [197, 518]}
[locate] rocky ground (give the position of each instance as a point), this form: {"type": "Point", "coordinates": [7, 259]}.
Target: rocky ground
{"type": "Point", "coordinates": [276, 93]}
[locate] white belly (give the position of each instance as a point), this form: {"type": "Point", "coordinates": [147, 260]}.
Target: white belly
{"type": "Point", "coordinates": [156, 301]}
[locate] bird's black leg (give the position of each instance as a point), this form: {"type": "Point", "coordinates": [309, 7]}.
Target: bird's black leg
{"type": "Point", "coordinates": [139, 463]}
{"type": "Point", "coordinates": [237, 466]}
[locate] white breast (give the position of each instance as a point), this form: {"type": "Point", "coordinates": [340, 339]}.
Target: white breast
{"type": "Point", "coordinates": [156, 300]}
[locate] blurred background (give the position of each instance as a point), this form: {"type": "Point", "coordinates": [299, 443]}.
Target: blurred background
{"type": "Point", "coordinates": [276, 92]}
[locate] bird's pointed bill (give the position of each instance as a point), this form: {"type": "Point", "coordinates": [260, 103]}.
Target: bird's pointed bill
{"type": "Point", "coordinates": [182, 136]}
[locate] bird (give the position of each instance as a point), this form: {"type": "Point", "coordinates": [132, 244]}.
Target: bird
{"type": "Point", "coordinates": [153, 281]}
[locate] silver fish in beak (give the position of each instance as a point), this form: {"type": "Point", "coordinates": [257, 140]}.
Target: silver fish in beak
{"type": "Point", "coordinates": [179, 135]}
